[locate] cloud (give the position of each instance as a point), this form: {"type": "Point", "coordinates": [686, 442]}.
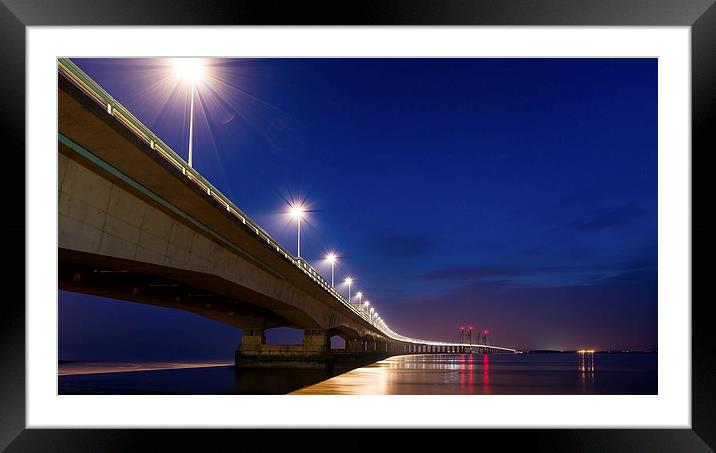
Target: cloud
{"type": "Point", "coordinates": [474, 272]}
{"type": "Point", "coordinates": [559, 275]}
{"type": "Point", "coordinates": [614, 217]}
{"type": "Point", "coordinates": [404, 245]}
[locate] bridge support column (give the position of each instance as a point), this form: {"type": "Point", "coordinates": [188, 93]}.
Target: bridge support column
{"type": "Point", "coordinates": [370, 346]}
{"type": "Point", "coordinates": [315, 352]}
{"type": "Point", "coordinates": [316, 341]}
{"type": "Point", "coordinates": [356, 345]}
{"type": "Point", "coordinates": [253, 337]}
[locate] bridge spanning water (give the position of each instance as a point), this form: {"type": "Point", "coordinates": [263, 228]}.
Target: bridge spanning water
{"type": "Point", "coordinates": [137, 223]}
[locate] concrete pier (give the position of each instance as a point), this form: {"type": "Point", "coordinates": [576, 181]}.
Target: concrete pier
{"type": "Point", "coordinates": [314, 352]}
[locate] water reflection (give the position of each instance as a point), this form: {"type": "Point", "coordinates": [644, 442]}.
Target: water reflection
{"type": "Point", "coordinates": [485, 374]}
{"type": "Point", "coordinates": [481, 374]}
{"type": "Point", "coordinates": [586, 361]}
{"type": "Point", "coordinates": [412, 374]}
{"type": "Point", "coordinates": [429, 374]}
{"type": "Point", "coordinates": [586, 370]}
{"type": "Point", "coordinates": [467, 370]}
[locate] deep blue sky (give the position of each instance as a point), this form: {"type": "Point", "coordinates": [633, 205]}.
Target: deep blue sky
{"type": "Point", "coordinates": [518, 195]}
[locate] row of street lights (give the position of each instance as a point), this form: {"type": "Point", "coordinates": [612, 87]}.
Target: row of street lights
{"type": "Point", "coordinates": [297, 212]}
{"type": "Point", "coordinates": [192, 71]}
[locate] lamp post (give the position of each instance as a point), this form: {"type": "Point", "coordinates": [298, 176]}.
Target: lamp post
{"type": "Point", "coordinates": [297, 214]}
{"type": "Point", "coordinates": [349, 282]}
{"type": "Point", "coordinates": [191, 122]}
{"type": "Point", "coordinates": [331, 257]}
{"type": "Point", "coordinates": [191, 70]}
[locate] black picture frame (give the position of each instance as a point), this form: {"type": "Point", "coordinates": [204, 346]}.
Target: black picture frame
{"type": "Point", "coordinates": [16, 15]}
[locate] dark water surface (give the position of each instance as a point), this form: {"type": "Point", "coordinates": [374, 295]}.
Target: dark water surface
{"type": "Point", "coordinates": [465, 374]}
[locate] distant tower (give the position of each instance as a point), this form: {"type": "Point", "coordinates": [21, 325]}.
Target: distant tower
{"type": "Point", "coordinates": [466, 335]}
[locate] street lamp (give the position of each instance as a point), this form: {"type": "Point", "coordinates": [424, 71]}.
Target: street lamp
{"type": "Point", "coordinates": [190, 70]}
{"type": "Point", "coordinates": [349, 281]}
{"type": "Point", "coordinates": [359, 295]}
{"type": "Point", "coordinates": [296, 212]}
{"type": "Point", "coordinates": [331, 257]}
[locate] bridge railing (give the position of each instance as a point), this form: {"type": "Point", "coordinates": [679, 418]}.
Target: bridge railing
{"type": "Point", "coordinates": [95, 92]}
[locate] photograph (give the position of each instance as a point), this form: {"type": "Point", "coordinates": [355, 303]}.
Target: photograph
{"type": "Point", "coordinates": [357, 226]}
{"type": "Point", "coordinates": [229, 218]}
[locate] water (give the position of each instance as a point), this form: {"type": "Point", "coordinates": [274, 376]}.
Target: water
{"type": "Point", "coordinates": [466, 374]}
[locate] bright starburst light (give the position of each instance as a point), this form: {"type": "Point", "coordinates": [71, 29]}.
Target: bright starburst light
{"type": "Point", "coordinates": [189, 69]}
{"type": "Point", "coordinates": [296, 211]}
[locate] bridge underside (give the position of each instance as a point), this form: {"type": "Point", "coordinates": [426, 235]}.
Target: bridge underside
{"type": "Point", "coordinates": [172, 288]}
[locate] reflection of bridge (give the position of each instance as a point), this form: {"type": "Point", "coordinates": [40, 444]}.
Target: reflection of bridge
{"type": "Point", "coordinates": [137, 223]}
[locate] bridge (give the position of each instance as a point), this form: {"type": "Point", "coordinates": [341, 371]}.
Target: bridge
{"type": "Point", "coordinates": [137, 223]}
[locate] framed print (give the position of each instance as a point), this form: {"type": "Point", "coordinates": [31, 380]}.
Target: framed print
{"type": "Point", "coordinates": [409, 215]}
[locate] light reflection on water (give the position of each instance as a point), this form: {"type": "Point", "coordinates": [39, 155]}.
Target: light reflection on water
{"type": "Point", "coordinates": [586, 369]}
{"type": "Point", "coordinates": [465, 374]}
{"type": "Point", "coordinates": [468, 374]}
{"type": "Point", "coordinates": [586, 362]}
